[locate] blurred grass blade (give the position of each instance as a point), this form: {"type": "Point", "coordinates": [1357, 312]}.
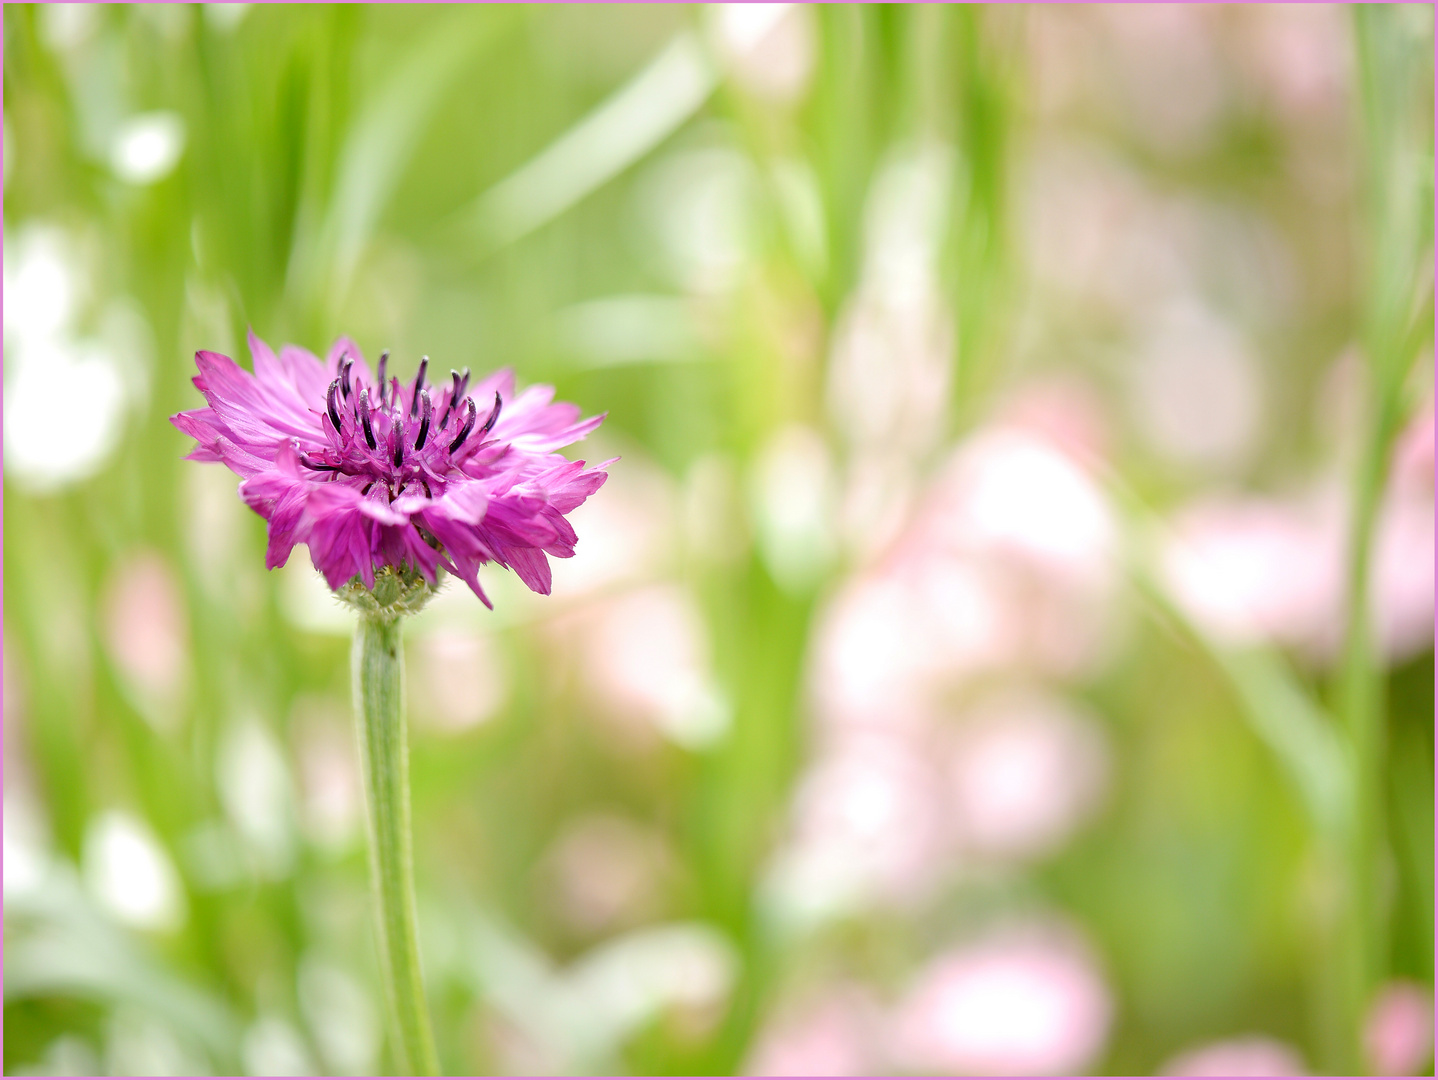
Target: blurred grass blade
{"type": "Point", "coordinates": [60, 962]}
{"type": "Point", "coordinates": [57, 946]}
{"type": "Point", "coordinates": [1395, 83]}
{"type": "Point", "coordinates": [630, 329]}
{"type": "Point", "coordinates": [378, 149]}
{"type": "Point", "coordinates": [1300, 734]}
{"type": "Point", "coordinates": [620, 131]}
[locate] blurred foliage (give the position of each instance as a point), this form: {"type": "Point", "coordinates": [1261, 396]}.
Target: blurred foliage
{"type": "Point", "coordinates": [685, 266]}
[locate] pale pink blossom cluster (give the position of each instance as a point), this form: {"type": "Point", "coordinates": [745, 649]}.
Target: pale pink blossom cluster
{"type": "Point", "coordinates": [146, 632]}
{"type": "Point", "coordinates": [1026, 999]}
{"type": "Point", "coordinates": [1117, 259]}
{"type": "Point", "coordinates": [630, 632]}
{"type": "Point", "coordinates": [1399, 1032]}
{"type": "Point", "coordinates": [946, 746]}
{"type": "Point", "coordinates": [1031, 1002]}
{"type": "Point", "coordinates": [1251, 569]}
{"type": "Point", "coordinates": [835, 1031]}
{"type": "Point", "coordinates": [1167, 74]}
{"type": "Point", "coordinates": [944, 740]}
{"type": "Point", "coordinates": [1007, 565]}
{"type": "Point", "coordinates": [606, 871]}
{"type": "Point", "coordinates": [1243, 1055]}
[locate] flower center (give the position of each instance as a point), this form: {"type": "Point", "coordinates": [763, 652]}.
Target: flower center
{"type": "Point", "coordinates": [388, 436]}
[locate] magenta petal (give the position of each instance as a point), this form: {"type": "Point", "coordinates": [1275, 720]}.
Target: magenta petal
{"type": "Point", "coordinates": [532, 568]}
{"type": "Point", "coordinates": [305, 372]}
{"type": "Point", "coordinates": [263, 359]}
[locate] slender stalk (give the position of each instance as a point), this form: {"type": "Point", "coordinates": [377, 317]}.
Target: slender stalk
{"type": "Point", "coordinates": [378, 671]}
{"type": "Point", "coordinates": [1392, 59]}
{"type": "Point", "coordinates": [1362, 938]}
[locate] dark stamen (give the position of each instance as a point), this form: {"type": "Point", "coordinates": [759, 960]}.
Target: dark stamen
{"type": "Point", "coordinates": [308, 464]}
{"type": "Point", "coordinates": [332, 405]}
{"type": "Point", "coordinates": [454, 395]}
{"type": "Point", "coordinates": [493, 416]}
{"type": "Point", "coordinates": [379, 377]}
{"type": "Point", "coordinates": [398, 446]}
{"type": "Point", "coordinates": [428, 494]}
{"type": "Point", "coordinates": [346, 362]}
{"type": "Point", "coordinates": [426, 413]}
{"type": "Point", "coordinates": [365, 490]}
{"type": "Point", "coordinates": [364, 417]}
{"type": "Point", "coordinates": [472, 414]}
{"type": "Point", "coordinates": [418, 386]}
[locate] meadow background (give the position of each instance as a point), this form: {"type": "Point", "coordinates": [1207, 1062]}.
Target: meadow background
{"type": "Point", "coordinates": [1004, 645]}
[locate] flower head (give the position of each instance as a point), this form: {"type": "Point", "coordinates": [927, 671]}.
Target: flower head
{"type": "Point", "coordinates": [372, 473]}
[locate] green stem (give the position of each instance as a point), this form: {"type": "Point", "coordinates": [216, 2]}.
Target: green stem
{"type": "Point", "coordinates": [1394, 82]}
{"type": "Point", "coordinates": [1362, 931]}
{"type": "Point", "coordinates": [378, 669]}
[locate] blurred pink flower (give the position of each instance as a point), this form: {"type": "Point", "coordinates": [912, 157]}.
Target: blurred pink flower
{"type": "Point", "coordinates": [1250, 1055]}
{"type": "Point", "coordinates": [1298, 54]}
{"type": "Point", "coordinates": [328, 771]}
{"type": "Point", "coordinates": [1026, 771]}
{"type": "Point", "coordinates": [145, 626]}
{"type": "Point", "coordinates": [460, 680]}
{"type": "Point", "coordinates": [869, 819]}
{"type": "Point", "coordinates": [1063, 410]}
{"type": "Point", "coordinates": [1399, 1032]}
{"type": "Point", "coordinates": [1164, 72]}
{"type": "Point", "coordinates": [1024, 520]}
{"type": "Point", "coordinates": [1413, 452]}
{"type": "Point", "coordinates": [833, 1033]}
{"type": "Point", "coordinates": [1011, 494]}
{"type": "Point", "coordinates": [607, 871]}
{"type": "Point", "coordinates": [1403, 555]}
{"type": "Point", "coordinates": [1403, 576]}
{"type": "Point", "coordinates": [768, 48]}
{"type": "Point", "coordinates": [646, 657]}
{"type": "Point", "coordinates": [1253, 569]}
{"type": "Point", "coordinates": [1152, 68]}
{"type": "Point", "coordinates": [1008, 561]}
{"type": "Point", "coordinates": [889, 636]}
{"type": "Point", "coordinates": [1196, 390]}
{"type": "Point", "coordinates": [1058, 44]}
{"type": "Point", "coordinates": [1096, 235]}
{"type": "Point", "coordinates": [1029, 1002]}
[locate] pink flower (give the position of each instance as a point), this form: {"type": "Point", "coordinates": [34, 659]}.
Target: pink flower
{"type": "Point", "coordinates": [1026, 1003]}
{"type": "Point", "coordinates": [1254, 569]}
{"type": "Point", "coordinates": [832, 1032]}
{"type": "Point", "coordinates": [1026, 771]}
{"type": "Point", "coordinates": [370, 473]}
{"type": "Point", "coordinates": [1247, 1055]}
{"type": "Point", "coordinates": [1399, 1031]}
{"type": "Point", "coordinates": [145, 631]}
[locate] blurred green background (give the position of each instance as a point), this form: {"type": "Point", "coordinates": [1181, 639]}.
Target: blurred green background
{"type": "Point", "coordinates": [955, 675]}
